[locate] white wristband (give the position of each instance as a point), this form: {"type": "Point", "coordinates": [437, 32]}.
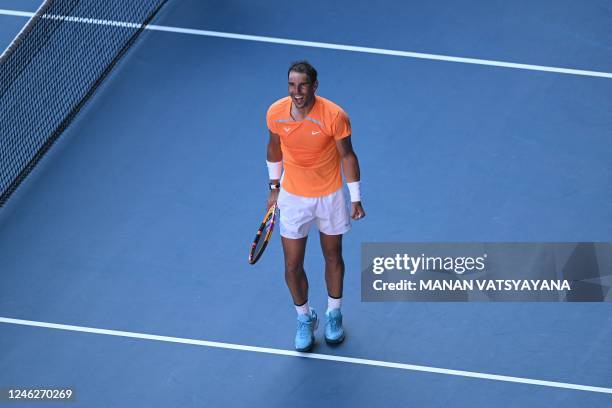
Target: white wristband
{"type": "Point", "coordinates": [274, 170]}
{"type": "Point", "coordinates": [354, 190]}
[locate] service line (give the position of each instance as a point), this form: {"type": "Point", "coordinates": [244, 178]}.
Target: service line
{"type": "Point", "coordinates": [314, 44]}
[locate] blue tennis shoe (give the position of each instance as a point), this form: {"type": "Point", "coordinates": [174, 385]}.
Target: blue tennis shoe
{"type": "Point", "coordinates": [334, 333]}
{"type": "Point", "coordinates": [306, 326]}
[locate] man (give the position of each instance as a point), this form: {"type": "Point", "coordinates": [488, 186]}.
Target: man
{"type": "Point", "coordinates": [310, 137]}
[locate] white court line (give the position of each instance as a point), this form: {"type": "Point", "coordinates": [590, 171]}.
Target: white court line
{"type": "Point", "coordinates": [314, 356]}
{"type": "Point", "coordinates": [340, 47]}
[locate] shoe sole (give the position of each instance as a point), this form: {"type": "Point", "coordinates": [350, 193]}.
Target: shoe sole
{"type": "Point", "coordinates": [337, 341]}
{"type": "Point", "coordinates": [306, 349]}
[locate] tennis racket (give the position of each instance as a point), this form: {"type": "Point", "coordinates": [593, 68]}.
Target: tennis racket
{"type": "Point", "coordinates": [263, 234]}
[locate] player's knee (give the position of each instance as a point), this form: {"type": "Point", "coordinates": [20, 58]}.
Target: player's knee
{"type": "Point", "coordinates": [333, 259]}
{"type": "Point", "coordinates": [293, 268]}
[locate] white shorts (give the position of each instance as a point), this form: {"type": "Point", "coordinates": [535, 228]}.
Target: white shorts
{"type": "Point", "coordinates": [298, 213]}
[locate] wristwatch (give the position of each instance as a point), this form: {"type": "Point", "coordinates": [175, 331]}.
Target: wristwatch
{"type": "Point", "coordinates": [274, 186]}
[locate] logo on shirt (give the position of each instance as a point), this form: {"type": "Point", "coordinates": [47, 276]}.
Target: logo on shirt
{"type": "Point", "coordinates": [316, 132]}
{"type": "Point", "coordinates": [287, 129]}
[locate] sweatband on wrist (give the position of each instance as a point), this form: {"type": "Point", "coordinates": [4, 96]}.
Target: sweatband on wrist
{"type": "Point", "coordinates": [354, 190]}
{"type": "Point", "coordinates": [274, 170]}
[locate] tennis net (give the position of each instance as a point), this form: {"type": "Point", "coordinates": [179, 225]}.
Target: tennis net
{"type": "Point", "coordinates": [53, 67]}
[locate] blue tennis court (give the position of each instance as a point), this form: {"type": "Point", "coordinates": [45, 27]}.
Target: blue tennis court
{"type": "Point", "coordinates": [124, 252]}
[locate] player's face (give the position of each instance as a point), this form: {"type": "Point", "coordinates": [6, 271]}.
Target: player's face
{"type": "Point", "coordinates": [302, 92]}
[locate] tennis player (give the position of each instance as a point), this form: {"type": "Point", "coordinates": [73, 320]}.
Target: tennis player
{"type": "Point", "coordinates": [310, 139]}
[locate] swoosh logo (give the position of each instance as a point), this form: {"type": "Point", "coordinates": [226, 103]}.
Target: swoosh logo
{"type": "Point", "coordinates": [287, 129]}
{"type": "Point", "coordinates": [316, 133]}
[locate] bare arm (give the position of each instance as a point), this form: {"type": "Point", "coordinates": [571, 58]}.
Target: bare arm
{"type": "Point", "coordinates": [274, 154]}
{"type": "Point", "coordinates": [350, 166]}
{"type": "Point", "coordinates": [274, 150]}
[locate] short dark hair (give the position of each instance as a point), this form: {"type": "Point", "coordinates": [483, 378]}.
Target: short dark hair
{"type": "Point", "coordinates": [304, 67]}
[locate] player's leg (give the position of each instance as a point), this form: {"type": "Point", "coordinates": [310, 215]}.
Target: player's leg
{"type": "Point", "coordinates": [334, 277]}
{"type": "Point", "coordinates": [334, 264]}
{"type": "Point", "coordinates": [296, 216]}
{"type": "Point", "coordinates": [333, 221]}
{"type": "Point", "coordinates": [296, 279]}
{"type": "Point", "coordinates": [295, 276]}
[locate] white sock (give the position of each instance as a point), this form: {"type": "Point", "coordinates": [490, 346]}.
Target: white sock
{"type": "Point", "coordinates": [303, 309]}
{"type": "Point", "coordinates": [333, 303]}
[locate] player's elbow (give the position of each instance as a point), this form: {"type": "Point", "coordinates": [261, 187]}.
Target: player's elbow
{"type": "Point", "coordinates": [349, 157]}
